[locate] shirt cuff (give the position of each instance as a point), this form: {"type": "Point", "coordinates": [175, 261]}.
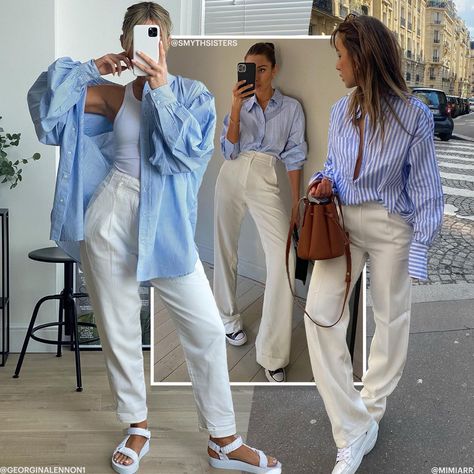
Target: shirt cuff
{"type": "Point", "coordinates": [230, 150]}
{"type": "Point", "coordinates": [418, 260]}
{"type": "Point", "coordinates": [161, 95]}
{"type": "Point", "coordinates": [88, 71]}
{"type": "Point", "coordinates": [298, 165]}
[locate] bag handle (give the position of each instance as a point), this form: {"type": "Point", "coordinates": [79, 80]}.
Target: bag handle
{"type": "Point", "coordinates": [347, 253]}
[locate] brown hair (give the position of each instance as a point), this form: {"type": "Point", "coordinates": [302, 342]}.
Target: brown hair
{"type": "Point", "coordinates": [377, 65]}
{"type": "Point", "coordinates": [265, 49]}
{"type": "Point", "coordinates": [138, 14]}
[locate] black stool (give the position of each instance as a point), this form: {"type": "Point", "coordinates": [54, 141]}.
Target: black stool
{"type": "Point", "coordinates": [67, 311]}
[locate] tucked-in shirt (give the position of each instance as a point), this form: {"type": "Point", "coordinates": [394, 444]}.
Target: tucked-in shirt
{"type": "Point", "coordinates": [399, 171]}
{"type": "Point", "coordinates": [278, 131]}
{"type": "Point", "coordinates": [176, 142]}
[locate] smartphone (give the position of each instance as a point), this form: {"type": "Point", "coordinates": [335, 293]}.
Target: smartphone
{"type": "Point", "coordinates": [247, 71]}
{"type": "Point", "coordinates": [146, 38]}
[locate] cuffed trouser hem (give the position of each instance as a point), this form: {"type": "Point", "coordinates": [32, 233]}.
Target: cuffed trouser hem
{"type": "Point", "coordinates": [271, 363]}
{"type": "Point", "coordinates": [135, 417]}
{"type": "Point", "coordinates": [220, 432]}
{"type": "Point", "coordinates": [232, 323]}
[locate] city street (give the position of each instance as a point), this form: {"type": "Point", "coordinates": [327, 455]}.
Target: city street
{"type": "Point", "coordinates": [452, 255]}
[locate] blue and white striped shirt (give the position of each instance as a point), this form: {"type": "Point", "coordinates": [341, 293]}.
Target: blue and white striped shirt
{"type": "Point", "coordinates": [401, 173]}
{"type": "Point", "coordinates": [279, 131]}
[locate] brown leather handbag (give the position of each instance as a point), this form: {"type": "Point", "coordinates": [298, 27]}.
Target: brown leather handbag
{"type": "Point", "coordinates": [322, 237]}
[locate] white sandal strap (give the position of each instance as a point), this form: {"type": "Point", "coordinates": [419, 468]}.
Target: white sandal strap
{"type": "Point", "coordinates": [128, 452]}
{"type": "Point", "coordinates": [263, 461]}
{"type": "Point", "coordinates": [236, 444]}
{"type": "Point", "coordinates": [139, 431]}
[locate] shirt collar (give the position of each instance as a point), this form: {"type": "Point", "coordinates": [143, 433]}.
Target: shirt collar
{"type": "Point", "coordinates": [277, 99]}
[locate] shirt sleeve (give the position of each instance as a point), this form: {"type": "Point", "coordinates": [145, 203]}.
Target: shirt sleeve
{"type": "Point", "coordinates": [296, 148]}
{"type": "Point", "coordinates": [55, 92]}
{"type": "Point", "coordinates": [426, 193]}
{"type": "Point", "coordinates": [328, 170]}
{"type": "Point", "coordinates": [229, 150]}
{"type": "Point", "coordinates": [183, 135]}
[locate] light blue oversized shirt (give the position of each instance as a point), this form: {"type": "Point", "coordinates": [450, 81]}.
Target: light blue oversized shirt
{"type": "Point", "coordinates": [176, 142]}
{"type": "Point", "coordinates": [279, 131]}
{"type": "Point", "coordinates": [401, 172]}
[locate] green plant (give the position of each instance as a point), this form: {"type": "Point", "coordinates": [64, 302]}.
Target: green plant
{"type": "Point", "coordinates": [9, 170]}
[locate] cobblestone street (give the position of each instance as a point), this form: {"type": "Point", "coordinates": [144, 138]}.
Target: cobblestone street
{"type": "Point", "coordinates": [452, 254]}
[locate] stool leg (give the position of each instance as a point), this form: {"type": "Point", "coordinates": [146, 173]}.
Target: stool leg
{"type": "Point", "coordinates": [76, 347]}
{"type": "Point", "coordinates": [29, 332]}
{"type": "Point", "coordinates": [60, 327]}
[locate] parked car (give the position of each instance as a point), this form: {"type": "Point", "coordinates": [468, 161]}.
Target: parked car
{"type": "Point", "coordinates": [466, 105]}
{"type": "Point", "coordinates": [460, 105]}
{"type": "Point", "coordinates": [452, 106]}
{"type": "Point", "coordinates": [471, 103]}
{"type": "Point", "coordinates": [437, 101]}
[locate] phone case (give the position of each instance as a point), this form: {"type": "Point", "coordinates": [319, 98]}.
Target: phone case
{"type": "Point", "coordinates": [142, 41]}
{"type": "Point", "coordinates": [247, 71]}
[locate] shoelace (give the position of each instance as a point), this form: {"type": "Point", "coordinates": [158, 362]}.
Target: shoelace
{"type": "Point", "coordinates": [343, 454]}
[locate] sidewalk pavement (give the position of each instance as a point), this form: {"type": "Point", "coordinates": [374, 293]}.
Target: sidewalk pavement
{"type": "Point", "coordinates": [430, 416]}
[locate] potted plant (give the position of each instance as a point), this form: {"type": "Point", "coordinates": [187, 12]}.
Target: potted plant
{"type": "Point", "coordinates": [11, 171]}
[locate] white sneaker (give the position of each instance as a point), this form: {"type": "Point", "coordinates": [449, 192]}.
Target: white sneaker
{"type": "Point", "coordinates": [349, 458]}
{"type": "Point", "coordinates": [237, 338]}
{"type": "Point", "coordinates": [278, 375]}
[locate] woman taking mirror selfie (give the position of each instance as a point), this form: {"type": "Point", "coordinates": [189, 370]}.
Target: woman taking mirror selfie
{"type": "Point", "coordinates": [382, 163]}
{"type": "Point", "coordinates": [131, 163]}
{"type": "Point", "coordinates": [262, 127]}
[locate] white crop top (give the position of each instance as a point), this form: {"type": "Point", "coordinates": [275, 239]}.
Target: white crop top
{"type": "Point", "coordinates": [127, 134]}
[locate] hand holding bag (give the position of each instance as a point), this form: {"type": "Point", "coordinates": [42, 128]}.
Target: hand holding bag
{"type": "Point", "coordinates": [322, 237]}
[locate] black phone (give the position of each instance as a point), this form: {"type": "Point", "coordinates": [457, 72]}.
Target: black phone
{"type": "Point", "coordinates": [247, 72]}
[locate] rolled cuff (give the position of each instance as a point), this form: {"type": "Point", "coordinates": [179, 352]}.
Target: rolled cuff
{"type": "Point", "coordinates": [88, 71]}
{"type": "Point", "coordinates": [295, 166]}
{"type": "Point", "coordinates": [161, 95]}
{"type": "Point", "coordinates": [418, 260]}
{"type": "Point", "coordinates": [230, 150]}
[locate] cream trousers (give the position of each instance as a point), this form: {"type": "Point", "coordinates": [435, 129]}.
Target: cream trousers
{"type": "Point", "coordinates": [384, 240]}
{"type": "Point", "coordinates": [109, 260]}
{"type": "Point", "coordinates": [250, 182]}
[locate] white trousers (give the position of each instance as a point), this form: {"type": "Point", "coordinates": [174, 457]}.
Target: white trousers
{"type": "Point", "coordinates": [384, 239]}
{"type": "Point", "coordinates": [250, 182]}
{"type": "Point", "coordinates": [109, 260]}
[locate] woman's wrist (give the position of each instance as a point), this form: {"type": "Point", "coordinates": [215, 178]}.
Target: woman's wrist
{"type": "Point", "coordinates": [234, 120]}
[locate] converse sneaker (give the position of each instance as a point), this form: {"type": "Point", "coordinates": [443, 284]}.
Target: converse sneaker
{"type": "Point", "coordinates": [349, 458]}
{"type": "Point", "coordinates": [238, 338]}
{"type": "Point", "coordinates": [278, 375]}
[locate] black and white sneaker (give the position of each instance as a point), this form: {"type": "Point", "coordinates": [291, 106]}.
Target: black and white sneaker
{"type": "Point", "coordinates": [278, 375]}
{"type": "Point", "coordinates": [238, 338]}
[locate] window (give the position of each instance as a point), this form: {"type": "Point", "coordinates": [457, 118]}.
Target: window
{"type": "Point", "coordinates": [257, 17]}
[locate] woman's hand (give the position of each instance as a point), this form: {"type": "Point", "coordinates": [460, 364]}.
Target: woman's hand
{"type": "Point", "coordinates": [321, 189]}
{"type": "Point", "coordinates": [157, 72]}
{"type": "Point", "coordinates": [112, 63]}
{"type": "Point", "coordinates": [239, 94]}
{"type": "Point", "coordinates": [295, 215]}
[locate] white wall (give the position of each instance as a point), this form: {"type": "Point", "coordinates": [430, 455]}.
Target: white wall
{"type": "Point", "coordinates": [27, 47]}
{"type": "Point", "coordinates": [32, 34]}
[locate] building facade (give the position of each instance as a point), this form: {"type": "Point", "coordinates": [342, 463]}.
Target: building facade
{"type": "Point", "coordinates": [435, 42]}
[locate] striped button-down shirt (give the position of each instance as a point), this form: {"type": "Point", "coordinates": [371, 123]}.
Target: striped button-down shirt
{"type": "Point", "coordinates": [399, 172]}
{"type": "Point", "coordinates": [279, 131]}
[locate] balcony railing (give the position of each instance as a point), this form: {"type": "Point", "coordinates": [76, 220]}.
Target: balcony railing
{"type": "Point", "coordinates": [437, 22]}
{"type": "Point", "coordinates": [408, 54]}
{"type": "Point", "coordinates": [324, 5]}
{"type": "Point", "coordinates": [436, 4]}
{"type": "Point", "coordinates": [436, 59]}
{"type": "Point", "coordinates": [436, 40]}
{"type": "Point", "coordinates": [432, 78]}
{"type": "Point", "coordinates": [402, 21]}
{"type": "Point", "coordinates": [410, 26]}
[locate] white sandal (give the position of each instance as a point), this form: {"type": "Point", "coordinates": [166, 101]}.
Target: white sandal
{"type": "Point", "coordinates": [121, 448]}
{"type": "Point", "coordinates": [225, 463]}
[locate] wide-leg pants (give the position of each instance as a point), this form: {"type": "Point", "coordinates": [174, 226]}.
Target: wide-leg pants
{"type": "Point", "coordinates": [109, 259]}
{"type": "Point", "coordinates": [250, 182]}
{"type": "Point", "coordinates": [384, 239]}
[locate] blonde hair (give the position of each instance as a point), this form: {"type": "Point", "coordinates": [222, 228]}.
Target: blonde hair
{"type": "Point", "coordinates": [138, 14]}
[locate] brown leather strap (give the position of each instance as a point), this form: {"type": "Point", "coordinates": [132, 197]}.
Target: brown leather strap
{"type": "Point", "coordinates": [347, 253]}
